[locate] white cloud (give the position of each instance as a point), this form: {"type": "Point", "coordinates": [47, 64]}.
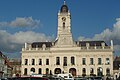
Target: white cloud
{"type": "Point", "coordinates": [14, 42]}
{"type": "Point", "coordinates": [3, 24]}
{"type": "Point", "coordinates": [22, 22]}
{"type": "Point", "coordinates": [108, 35]}
{"type": "Point", "coordinates": [29, 36]}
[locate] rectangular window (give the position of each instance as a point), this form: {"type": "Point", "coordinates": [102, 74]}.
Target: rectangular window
{"type": "Point", "coordinates": [72, 60]}
{"type": "Point", "coordinates": [107, 61]}
{"type": "Point", "coordinates": [65, 61]}
{"type": "Point", "coordinates": [83, 61]}
{"type": "Point", "coordinates": [99, 61]}
{"type": "Point", "coordinates": [26, 61]}
{"type": "Point", "coordinates": [40, 71]}
{"type": "Point", "coordinates": [40, 61]}
{"type": "Point", "coordinates": [33, 61]}
{"type": "Point", "coordinates": [57, 60]}
{"type": "Point", "coordinates": [47, 61]}
{"type": "Point", "coordinates": [91, 61]}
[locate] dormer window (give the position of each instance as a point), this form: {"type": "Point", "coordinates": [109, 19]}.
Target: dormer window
{"type": "Point", "coordinates": [44, 46]}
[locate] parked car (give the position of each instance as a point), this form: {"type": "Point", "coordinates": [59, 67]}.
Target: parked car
{"type": "Point", "coordinates": [66, 76]}
{"type": "Point", "coordinates": [80, 78]}
{"type": "Point", "coordinates": [98, 78]}
{"type": "Point", "coordinates": [56, 78]}
{"type": "Point", "coordinates": [28, 78]}
{"type": "Point", "coordinates": [90, 78]}
{"type": "Point", "coordinates": [3, 79]}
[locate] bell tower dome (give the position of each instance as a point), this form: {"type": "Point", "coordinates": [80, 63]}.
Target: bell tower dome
{"type": "Point", "coordinates": [64, 8]}
{"type": "Point", "coordinates": [64, 35]}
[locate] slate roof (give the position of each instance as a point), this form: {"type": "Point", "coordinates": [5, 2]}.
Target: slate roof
{"type": "Point", "coordinates": [91, 43]}
{"type": "Point", "coordinates": [79, 43]}
{"type": "Point", "coordinates": [40, 44]}
{"type": "Point", "coordinates": [64, 8]}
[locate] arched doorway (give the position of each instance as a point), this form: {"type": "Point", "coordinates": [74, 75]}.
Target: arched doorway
{"type": "Point", "coordinates": [91, 72]}
{"type": "Point", "coordinates": [47, 71]}
{"type": "Point", "coordinates": [25, 71]}
{"type": "Point", "coordinates": [107, 72]}
{"type": "Point", "coordinates": [57, 71]}
{"type": "Point", "coordinates": [33, 70]}
{"type": "Point", "coordinates": [17, 75]}
{"type": "Point", "coordinates": [39, 71]}
{"type": "Point", "coordinates": [84, 72]}
{"type": "Point", "coordinates": [99, 71]}
{"type": "Point", "coordinates": [72, 71]}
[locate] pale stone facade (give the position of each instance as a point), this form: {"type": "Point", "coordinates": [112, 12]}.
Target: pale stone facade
{"type": "Point", "coordinates": [66, 55]}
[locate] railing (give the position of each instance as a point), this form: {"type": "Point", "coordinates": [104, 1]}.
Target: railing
{"type": "Point", "coordinates": [80, 48]}
{"type": "Point", "coordinates": [35, 49]}
{"type": "Point", "coordinates": [96, 48]}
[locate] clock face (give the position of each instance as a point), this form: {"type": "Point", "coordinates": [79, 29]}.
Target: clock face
{"type": "Point", "coordinates": [63, 19]}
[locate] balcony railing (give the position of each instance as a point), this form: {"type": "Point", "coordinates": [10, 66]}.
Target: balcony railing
{"type": "Point", "coordinates": [80, 48]}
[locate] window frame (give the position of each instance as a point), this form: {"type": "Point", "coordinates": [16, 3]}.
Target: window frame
{"type": "Point", "coordinates": [91, 61]}
{"type": "Point", "coordinates": [73, 60]}
{"type": "Point", "coordinates": [83, 61]}
{"type": "Point", "coordinates": [33, 61]}
{"type": "Point", "coordinates": [47, 61]}
{"type": "Point", "coordinates": [99, 61]}
{"type": "Point", "coordinates": [26, 61]}
{"type": "Point", "coordinates": [57, 60]}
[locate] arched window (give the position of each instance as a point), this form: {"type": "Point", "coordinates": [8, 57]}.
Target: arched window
{"type": "Point", "coordinates": [64, 25]}
{"type": "Point", "coordinates": [33, 61]}
{"type": "Point", "coordinates": [57, 71]}
{"type": "Point", "coordinates": [47, 61]}
{"type": "Point", "coordinates": [83, 72]}
{"type": "Point", "coordinates": [99, 61]}
{"type": "Point", "coordinates": [99, 71]}
{"type": "Point", "coordinates": [73, 60]}
{"type": "Point", "coordinates": [84, 61]}
{"type": "Point", "coordinates": [65, 61]}
{"type": "Point", "coordinates": [91, 71]}
{"type": "Point", "coordinates": [32, 69]}
{"type": "Point", "coordinates": [47, 71]}
{"type": "Point", "coordinates": [40, 71]}
{"type": "Point", "coordinates": [25, 71]}
{"type": "Point", "coordinates": [57, 60]}
{"type": "Point", "coordinates": [26, 61]}
{"type": "Point", "coordinates": [107, 61]}
{"type": "Point", "coordinates": [40, 61]}
{"type": "Point", "coordinates": [91, 61]}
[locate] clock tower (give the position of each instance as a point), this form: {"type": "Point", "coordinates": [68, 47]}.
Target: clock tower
{"type": "Point", "coordinates": [64, 35]}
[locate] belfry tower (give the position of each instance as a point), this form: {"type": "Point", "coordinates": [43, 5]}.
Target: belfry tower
{"type": "Point", "coordinates": [64, 35]}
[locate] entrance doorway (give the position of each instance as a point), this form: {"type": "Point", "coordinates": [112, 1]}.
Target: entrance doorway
{"type": "Point", "coordinates": [57, 71]}
{"type": "Point", "coordinates": [72, 71]}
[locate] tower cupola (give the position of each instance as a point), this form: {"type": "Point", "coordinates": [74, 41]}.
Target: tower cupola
{"type": "Point", "coordinates": [64, 8]}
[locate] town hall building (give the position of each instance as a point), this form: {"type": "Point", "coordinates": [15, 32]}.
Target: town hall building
{"type": "Point", "coordinates": [64, 55]}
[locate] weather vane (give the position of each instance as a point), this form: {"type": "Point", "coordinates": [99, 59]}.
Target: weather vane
{"type": "Point", "coordinates": [64, 2]}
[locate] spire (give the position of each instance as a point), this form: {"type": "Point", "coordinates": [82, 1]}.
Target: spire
{"type": "Point", "coordinates": [64, 2]}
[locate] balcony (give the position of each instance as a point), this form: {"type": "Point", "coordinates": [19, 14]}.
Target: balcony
{"type": "Point", "coordinates": [35, 49]}
{"type": "Point", "coordinates": [96, 48]}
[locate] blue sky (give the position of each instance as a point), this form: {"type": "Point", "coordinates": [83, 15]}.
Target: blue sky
{"type": "Point", "coordinates": [36, 20]}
